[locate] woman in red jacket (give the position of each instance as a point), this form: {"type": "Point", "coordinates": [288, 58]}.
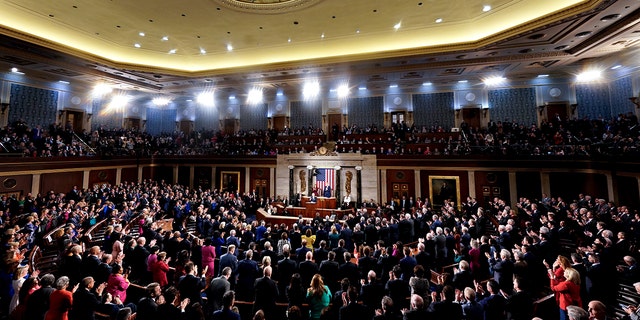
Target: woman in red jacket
{"type": "Point", "coordinates": [568, 291]}
{"type": "Point", "coordinates": [160, 268]}
{"type": "Point", "coordinates": [60, 301]}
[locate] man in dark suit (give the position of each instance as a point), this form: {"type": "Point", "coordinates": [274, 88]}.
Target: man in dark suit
{"type": "Point", "coordinates": [91, 262]}
{"type": "Point", "coordinates": [230, 260]}
{"type": "Point", "coordinates": [192, 284]}
{"type": "Point", "coordinates": [339, 251]}
{"type": "Point", "coordinates": [349, 270]}
{"type": "Point", "coordinates": [301, 252]}
{"type": "Point", "coordinates": [366, 262]}
{"type": "Point", "coordinates": [286, 268]}
{"type": "Point", "coordinates": [446, 308]}
{"type": "Point", "coordinates": [307, 269]}
{"type": "Point", "coordinates": [85, 302]}
{"type": "Point", "coordinates": [502, 270]}
{"type": "Point", "coordinates": [329, 270]}
{"type": "Point", "coordinates": [372, 291]}
{"type": "Point", "coordinates": [218, 287]}
{"type": "Point", "coordinates": [248, 272]}
{"type": "Point", "coordinates": [494, 304]}
{"type": "Point", "coordinates": [266, 292]}
{"type": "Point", "coordinates": [327, 192]}
{"type": "Point", "coordinates": [417, 311]}
{"type": "Point", "coordinates": [321, 253]}
{"type": "Point", "coordinates": [38, 302]}
{"type": "Point", "coordinates": [351, 309]}
{"type": "Point", "coordinates": [227, 313]}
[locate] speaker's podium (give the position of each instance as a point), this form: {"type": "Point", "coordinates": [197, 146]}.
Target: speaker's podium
{"type": "Point", "coordinates": [322, 204]}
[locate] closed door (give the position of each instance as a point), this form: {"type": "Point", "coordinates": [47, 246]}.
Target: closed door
{"type": "Point", "coordinates": [335, 123]}
{"type": "Point", "coordinates": [279, 123]}
{"type": "Point", "coordinates": [471, 116]}
{"type": "Point", "coordinates": [186, 126]}
{"type": "Point", "coordinates": [229, 126]}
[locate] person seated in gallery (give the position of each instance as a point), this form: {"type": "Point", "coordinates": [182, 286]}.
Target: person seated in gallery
{"type": "Point", "coordinates": [347, 201]}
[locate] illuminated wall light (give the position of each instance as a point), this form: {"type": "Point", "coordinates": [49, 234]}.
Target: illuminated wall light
{"type": "Point", "coordinates": [343, 91]}
{"type": "Point", "coordinates": [463, 81]}
{"type": "Point", "coordinates": [589, 75]}
{"type": "Point", "coordinates": [205, 99]}
{"type": "Point", "coordinates": [427, 84]}
{"type": "Point", "coordinates": [16, 71]}
{"type": "Point", "coordinates": [160, 101]}
{"type": "Point", "coordinates": [118, 102]}
{"type": "Point", "coordinates": [618, 66]}
{"type": "Point", "coordinates": [279, 93]}
{"type": "Point", "coordinates": [232, 97]}
{"type": "Point", "coordinates": [311, 89]}
{"type": "Point", "coordinates": [254, 96]}
{"type": "Point", "coordinates": [63, 82]}
{"type": "Point", "coordinates": [494, 81]}
{"type": "Point", "coordinates": [543, 76]}
{"type": "Point", "coordinates": [362, 88]}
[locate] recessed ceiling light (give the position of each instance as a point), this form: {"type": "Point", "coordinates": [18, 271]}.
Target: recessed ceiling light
{"type": "Point", "coordinates": [63, 82]}
{"type": "Point", "coordinates": [203, 51]}
{"type": "Point", "coordinates": [137, 45]}
{"type": "Point", "coordinates": [427, 84]}
{"type": "Point", "coordinates": [322, 35]}
{"type": "Point", "coordinates": [618, 66]}
{"type": "Point", "coordinates": [486, 8]}
{"type": "Point", "coordinates": [397, 25]}
{"type": "Point", "coordinates": [172, 51]}
{"type": "Point", "coordinates": [16, 71]}
{"type": "Point", "coordinates": [141, 34]}
{"type": "Point", "coordinates": [543, 76]}
{"type": "Point", "coordinates": [229, 47]}
{"type": "Point", "coordinates": [393, 85]}
{"type": "Point", "coordinates": [289, 40]}
{"type": "Point", "coordinates": [165, 38]}
{"type": "Point", "coordinates": [362, 88]}
{"type": "Point", "coordinates": [357, 30]}
{"type": "Point", "coordinates": [438, 20]}
{"type": "Point", "coordinates": [463, 81]}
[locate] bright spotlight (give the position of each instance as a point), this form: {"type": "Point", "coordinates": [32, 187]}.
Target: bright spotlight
{"type": "Point", "coordinates": [589, 75]}
{"type": "Point", "coordinates": [102, 89]}
{"type": "Point", "coordinates": [311, 89]}
{"type": "Point", "coordinates": [160, 101]}
{"type": "Point", "coordinates": [254, 96]}
{"type": "Point", "coordinates": [343, 91]}
{"type": "Point", "coordinates": [205, 98]}
{"type": "Point", "coordinates": [494, 81]}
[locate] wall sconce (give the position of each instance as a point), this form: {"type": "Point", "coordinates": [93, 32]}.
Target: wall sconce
{"type": "Point", "coordinates": [60, 113]}
{"type": "Point", "coordinates": [633, 100]}
{"type": "Point", "coordinates": [457, 113]}
{"type": "Point", "coordinates": [4, 107]}
{"type": "Point", "coordinates": [541, 110]}
{"type": "Point", "coordinates": [573, 108]}
{"type": "Point", "coordinates": [89, 115]}
{"type": "Point", "coordinates": [484, 112]}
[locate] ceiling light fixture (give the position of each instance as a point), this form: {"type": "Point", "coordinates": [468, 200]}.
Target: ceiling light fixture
{"type": "Point", "coordinates": [543, 76]}
{"type": "Point", "coordinates": [427, 84]}
{"type": "Point", "coordinates": [589, 75]}
{"type": "Point", "coordinates": [63, 82]}
{"type": "Point", "coordinates": [141, 34]}
{"type": "Point", "coordinates": [439, 20]}
{"type": "Point", "coordinates": [311, 89]}
{"type": "Point", "coordinates": [173, 51]}
{"type": "Point", "coordinates": [205, 98]}
{"type": "Point", "coordinates": [494, 81]}
{"type": "Point", "coordinates": [289, 40]}
{"type": "Point", "coordinates": [137, 45]}
{"type": "Point", "coordinates": [397, 26]}
{"type": "Point", "coordinates": [322, 35]}
{"type": "Point", "coordinates": [229, 47]}
{"type": "Point", "coordinates": [486, 8]}
{"type": "Point", "coordinates": [362, 88]}
{"type": "Point", "coordinates": [618, 66]}
{"type": "Point", "coordinates": [161, 101]}
{"type": "Point", "coordinates": [165, 38]}
{"type": "Point", "coordinates": [16, 71]}
{"type": "Point", "coordinates": [254, 96]}
{"type": "Point", "coordinates": [343, 91]}
{"type": "Point", "coordinates": [463, 81]}
{"type": "Point", "coordinates": [203, 51]}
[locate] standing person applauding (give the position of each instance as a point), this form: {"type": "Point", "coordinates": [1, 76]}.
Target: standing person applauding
{"type": "Point", "coordinates": [318, 297]}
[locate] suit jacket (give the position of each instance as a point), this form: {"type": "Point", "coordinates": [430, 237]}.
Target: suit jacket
{"type": "Point", "coordinates": [38, 303]}
{"type": "Point", "coordinates": [190, 287]}
{"type": "Point", "coordinates": [355, 311]}
{"type": "Point", "coordinates": [266, 293]}
{"type": "Point", "coordinates": [84, 305]}
{"type": "Point", "coordinates": [229, 260]}
{"type": "Point", "coordinates": [307, 270]}
{"type": "Point", "coordinates": [421, 314]}
{"type": "Point", "coordinates": [218, 287]}
{"type": "Point", "coordinates": [446, 310]}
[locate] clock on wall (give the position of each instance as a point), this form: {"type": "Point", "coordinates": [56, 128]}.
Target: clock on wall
{"type": "Point", "coordinates": [555, 92]}
{"type": "Point", "coordinates": [470, 97]}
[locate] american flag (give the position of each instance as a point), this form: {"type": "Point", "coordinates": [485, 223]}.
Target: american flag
{"type": "Point", "coordinates": [325, 177]}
